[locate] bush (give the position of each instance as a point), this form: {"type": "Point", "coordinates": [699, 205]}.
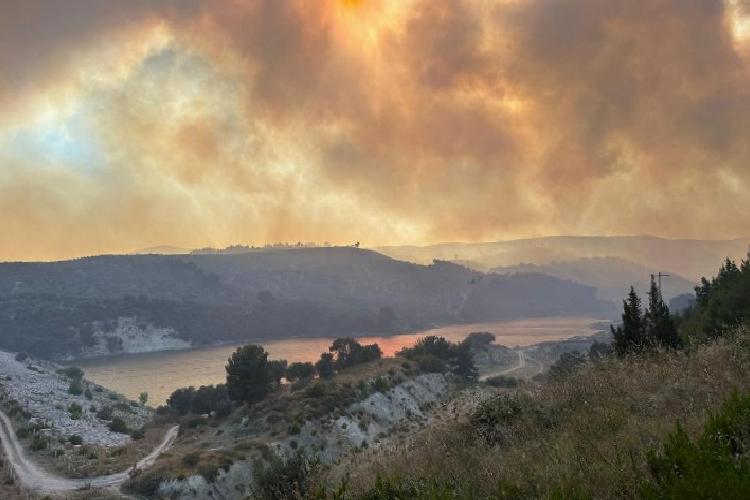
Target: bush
{"type": "Point", "coordinates": [492, 419]}
{"type": "Point", "coordinates": [191, 459]}
{"type": "Point", "coordinates": [23, 433]}
{"type": "Point", "coordinates": [105, 413]}
{"type": "Point", "coordinates": [568, 364]}
{"type": "Point", "coordinates": [75, 388]}
{"type": "Point", "coordinates": [73, 373]}
{"type": "Point", "coordinates": [717, 465]}
{"type": "Point", "coordinates": [87, 394]}
{"type": "Point", "coordinates": [503, 381]}
{"type": "Point", "coordinates": [429, 363]}
{"type": "Point", "coordinates": [316, 390]}
{"type": "Point", "coordinates": [118, 425]}
{"type": "Point", "coordinates": [381, 384]}
{"type": "Point", "coordinates": [284, 478]}
{"type": "Point", "coordinates": [21, 356]}
{"type": "Point", "coordinates": [75, 411]}
{"type": "Point", "coordinates": [75, 439]}
{"type": "Point", "coordinates": [39, 443]}
{"type": "Point", "coordinates": [144, 483]}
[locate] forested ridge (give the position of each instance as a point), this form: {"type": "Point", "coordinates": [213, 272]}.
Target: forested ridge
{"type": "Point", "coordinates": [52, 309]}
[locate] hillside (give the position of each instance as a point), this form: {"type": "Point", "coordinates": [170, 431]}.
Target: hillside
{"type": "Point", "coordinates": [112, 304]}
{"type": "Point", "coordinates": [689, 258]}
{"type": "Point", "coordinates": [611, 276]}
{"type": "Point", "coordinates": [586, 436]}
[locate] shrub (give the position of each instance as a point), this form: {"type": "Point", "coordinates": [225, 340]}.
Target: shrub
{"type": "Point", "coordinates": [73, 373]}
{"type": "Point", "coordinates": [118, 425]}
{"type": "Point", "coordinates": [492, 419]}
{"type": "Point", "coordinates": [39, 443]}
{"type": "Point", "coordinates": [381, 384]}
{"type": "Point", "coordinates": [191, 459]}
{"type": "Point", "coordinates": [75, 439]}
{"type": "Point", "coordinates": [429, 363]}
{"type": "Point", "coordinates": [717, 465]}
{"type": "Point", "coordinates": [568, 364]}
{"type": "Point", "coordinates": [75, 388]}
{"type": "Point", "coordinates": [300, 371]}
{"type": "Point", "coordinates": [144, 483]}
{"type": "Point", "coordinates": [294, 429]}
{"type": "Point", "coordinates": [23, 432]}
{"type": "Point", "coordinates": [105, 413]}
{"type": "Point", "coordinates": [75, 411]}
{"type": "Point", "coordinates": [87, 394]}
{"type": "Point", "coordinates": [503, 381]}
{"type": "Point", "coordinates": [316, 390]}
{"type": "Point", "coordinates": [21, 356]}
{"type": "Point", "coordinates": [284, 478]}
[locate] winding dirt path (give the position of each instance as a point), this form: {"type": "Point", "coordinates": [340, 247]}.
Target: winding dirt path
{"type": "Point", "coordinates": [32, 477]}
{"type": "Point", "coordinates": [519, 366]}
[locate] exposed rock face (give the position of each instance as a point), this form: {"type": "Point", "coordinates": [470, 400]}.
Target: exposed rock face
{"type": "Point", "coordinates": [130, 336]}
{"type": "Point", "coordinates": [43, 393]}
{"type": "Point", "coordinates": [367, 422]}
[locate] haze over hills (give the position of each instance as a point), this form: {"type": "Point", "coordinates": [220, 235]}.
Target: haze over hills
{"type": "Point", "coordinates": [110, 304]}
{"type": "Point", "coordinates": [691, 259]}
{"type": "Point", "coordinates": [612, 276]}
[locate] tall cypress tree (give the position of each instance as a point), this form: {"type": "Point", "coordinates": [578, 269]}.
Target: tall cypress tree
{"type": "Point", "coordinates": [630, 336]}
{"type": "Point", "coordinates": [660, 327]}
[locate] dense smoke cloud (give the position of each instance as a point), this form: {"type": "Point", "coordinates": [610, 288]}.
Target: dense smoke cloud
{"type": "Point", "coordinates": [193, 123]}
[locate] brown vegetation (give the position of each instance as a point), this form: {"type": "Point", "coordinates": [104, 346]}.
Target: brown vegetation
{"type": "Point", "coordinates": [590, 432]}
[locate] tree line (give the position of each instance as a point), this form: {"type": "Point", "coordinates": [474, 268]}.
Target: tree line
{"type": "Point", "coordinates": [251, 376]}
{"type": "Point", "coordinates": [722, 304]}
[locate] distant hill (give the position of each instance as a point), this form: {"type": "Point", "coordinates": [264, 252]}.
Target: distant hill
{"type": "Point", "coordinates": [691, 259]}
{"type": "Point", "coordinates": [58, 309]}
{"type": "Point", "coordinates": [611, 276]}
{"type": "Point", "coordinates": [162, 250]}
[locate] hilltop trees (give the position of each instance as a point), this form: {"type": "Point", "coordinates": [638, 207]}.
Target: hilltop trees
{"type": "Point", "coordinates": [300, 371]}
{"type": "Point", "coordinates": [349, 352]}
{"type": "Point", "coordinates": [435, 354]}
{"type": "Point", "coordinates": [325, 366]}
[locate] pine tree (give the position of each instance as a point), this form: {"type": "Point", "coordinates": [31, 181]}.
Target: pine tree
{"type": "Point", "coordinates": [659, 325]}
{"type": "Point", "coordinates": [630, 336]}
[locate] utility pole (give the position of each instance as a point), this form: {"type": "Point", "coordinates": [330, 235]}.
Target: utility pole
{"type": "Point", "coordinates": [660, 276]}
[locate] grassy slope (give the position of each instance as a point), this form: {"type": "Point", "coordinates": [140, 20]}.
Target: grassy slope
{"type": "Point", "coordinates": [591, 431]}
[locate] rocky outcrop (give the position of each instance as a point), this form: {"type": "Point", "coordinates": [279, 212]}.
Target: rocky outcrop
{"type": "Point", "coordinates": [131, 336]}
{"type": "Point", "coordinates": [367, 423]}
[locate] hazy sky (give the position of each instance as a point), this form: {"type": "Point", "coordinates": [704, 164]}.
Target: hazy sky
{"type": "Point", "coordinates": [131, 123]}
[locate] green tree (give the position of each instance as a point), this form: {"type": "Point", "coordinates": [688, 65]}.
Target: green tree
{"type": "Point", "coordinates": [479, 341]}
{"type": "Point", "coordinates": [143, 398]}
{"type": "Point", "coordinates": [249, 375]}
{"type": "Point", "coordinates": [278, 369]}
{"type": "Point", "coordinates": [299, 371]}
{"type": "Point", "coordinates": [325, 365]}
{"type": "Point", "coordinates": [659, 325]}
{"type": "Point", "coordinates": [631, 335]}
{"type": "Point", "coordinates": [349, 352]}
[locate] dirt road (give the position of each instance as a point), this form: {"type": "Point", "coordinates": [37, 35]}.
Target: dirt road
{"type": "Point", "coordinates": [34, 478]}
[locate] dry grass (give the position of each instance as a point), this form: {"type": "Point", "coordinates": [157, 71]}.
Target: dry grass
{"type": "Point", "coordinates": [592, 430]}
